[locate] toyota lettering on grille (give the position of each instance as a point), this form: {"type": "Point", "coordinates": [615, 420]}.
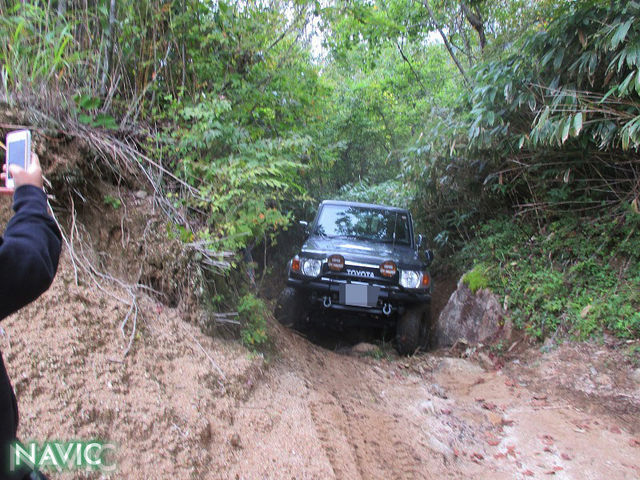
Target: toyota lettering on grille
{"type": "Point", "coordinates": [359, 273]}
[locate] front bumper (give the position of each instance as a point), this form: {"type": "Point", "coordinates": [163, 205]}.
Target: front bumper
{"type": "Point", "coordinates": [393, 296]}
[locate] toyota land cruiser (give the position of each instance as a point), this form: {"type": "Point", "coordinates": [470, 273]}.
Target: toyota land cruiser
{"type": "Point", "coordinates": [362, 260]}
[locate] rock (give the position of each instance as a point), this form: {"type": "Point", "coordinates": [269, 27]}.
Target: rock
{"type": "Point", "coordinates": [585, 311]}
{"type": "Point", "coordinates": [235, 440]}
{"type": "Point", "coordinates": [364, 347]}
{"type": "Point", "coordinates": [635, 375]}
{"type": "Point", "coordinates": [495, 418]}
{"type": "Point", "coordinates": [141, 194]}
{"type": "Point", "coordinates": [427, 407]}
{"type": "Point", "coordinates": [438, 391]}
{"type": "Point", "coordinates": [604, 381]}
{"type": "Point", "coordinates": [440, 447]}
{"type": "Point", "coordinates": [485, 361]}
{"type": "Point", "coordinates": [548, 345]}
{"type": "Point", "coordinates": [476, 318]}
{"type": "Point", "coordinates": [455, 367]}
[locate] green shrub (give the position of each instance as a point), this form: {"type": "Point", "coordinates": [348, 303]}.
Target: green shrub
{"type": "Point", "coordinates": [251, 311]}
{"type": "Point", "coordinates": [476, 278]}
{"type": "Point", "coordinates": [113, 202]}
{"type": "Point", "coordinates": [575, 276]}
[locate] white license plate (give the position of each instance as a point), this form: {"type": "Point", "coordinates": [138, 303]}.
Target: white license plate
{"type": "Point", "coordinates": [356, 295]}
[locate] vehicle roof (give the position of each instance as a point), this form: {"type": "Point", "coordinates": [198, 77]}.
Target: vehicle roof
{"type": "Point", "coordinates": [365, 205]}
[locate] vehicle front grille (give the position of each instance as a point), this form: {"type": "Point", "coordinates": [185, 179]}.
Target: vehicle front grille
{"type": "Point", "coordinates": [360, 273]}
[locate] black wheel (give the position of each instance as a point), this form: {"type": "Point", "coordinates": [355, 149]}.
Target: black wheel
{"type": "Point", "coordinates": [412, 330]}
{"type": "Point", "coordinates": [291, 308]}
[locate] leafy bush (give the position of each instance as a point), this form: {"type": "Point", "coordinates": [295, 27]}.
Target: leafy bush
{"type": "Point", "coordinates": [575, 276]}
{"type": "Point", "coordinates": [251, 311]}
{"type": "Point", "coordinates": [563, 112]}
{"type": "Point", "coordinates": [476, 278]}
{"type": "Point", "coordinates": [240, 182]}
{"type": "Point", "coordinates": [112, 201]}
{"type": "Point", "coordinates": [550, 124]}
{"type": "Point", "coordinates": [390, 192]}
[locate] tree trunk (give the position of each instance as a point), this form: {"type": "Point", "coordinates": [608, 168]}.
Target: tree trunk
{"type": "Point", "coordinates": [475, 19]}
{"type": "Point", "coordinates": [447, 44]}
{"type": "Point", "coordinates": [108, 50]}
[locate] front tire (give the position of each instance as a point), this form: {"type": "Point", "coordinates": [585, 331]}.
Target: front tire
{"type": "Point", "coordinates": [412, 330]}
{"type": "Point", "coordinates": [291, 308]}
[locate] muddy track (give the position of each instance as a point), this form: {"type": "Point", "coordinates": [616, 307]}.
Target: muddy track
{"type": "Point", "coordinates": [343, 416]}
{"type": "Point", "coordinates": [361, 435]}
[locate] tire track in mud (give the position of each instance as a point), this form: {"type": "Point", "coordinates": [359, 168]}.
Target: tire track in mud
{"type": "Point", "coordinates": [363, 435]}
{"type": "Point", "coordinates": [335, 441]}
{"type": "Point", "coordinates": [364, 443]}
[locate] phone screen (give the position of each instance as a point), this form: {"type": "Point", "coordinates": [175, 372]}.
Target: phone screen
{"type": "Point", "coordinates": [17, 154]}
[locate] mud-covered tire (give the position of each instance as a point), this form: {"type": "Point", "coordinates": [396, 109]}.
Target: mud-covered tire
{"type": "Point", "coordinates": [291, 308]}
{"type": "Point", "coordinates": [412, 330]}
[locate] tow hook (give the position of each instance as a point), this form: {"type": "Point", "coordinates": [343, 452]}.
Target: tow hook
{"type": "Point", "coordinates": [326, 302]}
{"type": "Point", "coordinates": [386, 309]}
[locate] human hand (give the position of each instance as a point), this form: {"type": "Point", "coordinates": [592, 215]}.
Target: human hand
{"type": "Point", "coordinates": [31, 176]}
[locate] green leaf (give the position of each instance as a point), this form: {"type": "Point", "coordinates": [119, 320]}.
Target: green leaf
{"type": "Point", "coordinates": [565, 129]}
{"type": "Point", "coordinates": [87, 102]}
{"type": "Point", "coordinates": [577, 124]}
{"type": "Point", "coordinates": [84, 118]}
{"type": "Point", "coordinates": [491, 118]}
{"type": "Point", "coordinates": [624, 86]}
{"type": "Point", "coordinates": [105, 121]}
{"type": "Point", "coordinates": [621, 33]}
{"type": "Point", "coordinates": [521, 142]}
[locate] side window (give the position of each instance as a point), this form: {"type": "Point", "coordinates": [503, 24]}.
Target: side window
{"type": "Point", "coordinates": [375, 224]}
{"type": "Point", "coordinates": [402, 232]}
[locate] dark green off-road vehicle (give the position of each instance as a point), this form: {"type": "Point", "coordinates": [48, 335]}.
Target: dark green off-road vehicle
{"type": "Point", "coordinates": [364, 261]}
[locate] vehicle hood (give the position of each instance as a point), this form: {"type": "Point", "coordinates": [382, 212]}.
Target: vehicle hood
{"type": "Point", "coordinates": [362, 251]}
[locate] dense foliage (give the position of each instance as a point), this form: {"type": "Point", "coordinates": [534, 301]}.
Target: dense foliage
{"type": "Point", "coordinates": [464, 110]}
{"type": "Point", "coordinates": [575, 276]}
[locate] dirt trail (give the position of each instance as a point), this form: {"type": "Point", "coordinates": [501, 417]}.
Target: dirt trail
{"type": "Point", "coordinates": [320, 414]}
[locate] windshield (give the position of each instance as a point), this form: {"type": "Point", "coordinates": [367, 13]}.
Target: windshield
{"type": "Point", "coordinates": [364, 223]}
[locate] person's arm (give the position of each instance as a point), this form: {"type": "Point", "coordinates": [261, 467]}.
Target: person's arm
{"type": "Point", "coordinates": [31, 245]}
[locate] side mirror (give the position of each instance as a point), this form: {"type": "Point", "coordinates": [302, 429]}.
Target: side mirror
{"type": "Point", "coordinates": [429, 255]}
{"type": "Point", "coordinates": [305, 224]}
{"type": "Point", "coordinates": [419, 242]}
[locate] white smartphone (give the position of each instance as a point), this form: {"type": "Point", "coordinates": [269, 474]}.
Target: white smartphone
{"type": "Point", "coordinates": [18, 151]}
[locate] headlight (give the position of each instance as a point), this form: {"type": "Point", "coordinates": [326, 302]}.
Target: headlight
{"type": "Point", "coordinates": [410, 279]}
{"type": "Point", "coordinates": [311, 267]}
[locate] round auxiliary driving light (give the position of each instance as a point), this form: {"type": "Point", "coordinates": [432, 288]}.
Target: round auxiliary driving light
{"type": "Point", "coordinates": [335, 262]}
{"type": "Point", "coordinates": [388, 269]}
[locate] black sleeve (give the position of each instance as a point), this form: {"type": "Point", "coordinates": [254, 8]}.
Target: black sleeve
{"type": "Point", "coordinates": [29, 251]}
